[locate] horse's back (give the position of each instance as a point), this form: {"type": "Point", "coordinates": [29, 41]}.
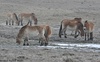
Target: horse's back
{"type": "Point", "coordinates": [69, 22]}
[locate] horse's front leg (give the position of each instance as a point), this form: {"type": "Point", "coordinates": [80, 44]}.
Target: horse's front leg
{"type": "Point", "coordinates": [12, 22]}
{"type": "Point", "coordinates": [21, 21]}
{"type": "Point", "coordinates": [41, 41]}
{"type": "Point", "coordinates": [85, 36]}
{"type": "Point", "coordinates": [26, 41]}
{"type": "Point", "coordinates": [6, 22]}
{"type": "Point", "coordinates": [9, 22]}
{"type": "Point", "coordinates": [91, 35]}
{"type": "Point", "coordinates": [88, 36]}
{"type": "Point", "coordinates": [30, 22]}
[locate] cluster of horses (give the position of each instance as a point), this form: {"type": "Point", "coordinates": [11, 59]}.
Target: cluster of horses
{"type": "Point", "coordinates": [44, 31]}
{"type": "Point", "coordinates": [18, 20]}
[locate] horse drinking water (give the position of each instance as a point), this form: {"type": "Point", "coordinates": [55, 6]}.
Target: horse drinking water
{"type": "Point", "coordinates": [44, 32]}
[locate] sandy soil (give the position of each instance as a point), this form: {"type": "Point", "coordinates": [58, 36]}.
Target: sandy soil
{"type": "Point", "coordinates": [49, 12]}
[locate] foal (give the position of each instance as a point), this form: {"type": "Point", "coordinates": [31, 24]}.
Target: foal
{"type": "Point", "coordinates": [27, 16]}
{"type": "Point", "coordinates": [88, 28]}
{"type": "Point", "coordinates": [74, 23]}
{"type": "Point", "coordinates": [43, 30]}
{"type": "Point", "coordinates": [12, 18]}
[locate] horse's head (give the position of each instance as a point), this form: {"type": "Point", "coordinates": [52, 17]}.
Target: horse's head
{"type": "Point", "coordinates": [18, 40]}
{"type": "Point", "coordinates": [86, 23]}
{"type": "Point", "coordinates": [34, 18]}
{"type": "Point", "coordinates": [80, 29]}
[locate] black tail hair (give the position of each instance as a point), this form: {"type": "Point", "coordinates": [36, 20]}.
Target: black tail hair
{"type": "Point", "coordinates": [60, 30]}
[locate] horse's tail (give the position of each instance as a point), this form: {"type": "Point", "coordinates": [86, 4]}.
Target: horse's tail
{"type": "Point", "coordinates": [16, 16]}
{"type": "Point", "coordinates": [47, 31]}
{"type": "Point", "coordinates": [17, 20]}
{"type": "Point", "coordinates": [47, 34]}
{"type": "Point", "coordinates": [60, 30]}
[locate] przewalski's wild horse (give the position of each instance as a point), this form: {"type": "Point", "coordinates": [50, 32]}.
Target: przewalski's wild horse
{"type": "Point", "coordinates": [29, 17]}
{"type": "Point", "coordinates": [74, 23]}
{"type": "Point", "coordinates": [44, 32]}
{"type": "Point", "coordinates": [88, 29]}
{"type": "Point", "coordinates": [12, 19]}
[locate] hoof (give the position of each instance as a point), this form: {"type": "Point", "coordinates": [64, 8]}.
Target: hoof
{"type": "Point", "coordinates": [27, 44]}
{"type": "Point", "coordinates": [41, 44]}
{"type": "Point", "coordinates": [24, 44]}
{"type": "Point", "coordinates": [60, 36]}
{"type": "Point", "coordinates": [76, 36]}
{"type": "Point", "coordinates": [46, 44]}
{"type": "Point", "coordinates": [65, 36]}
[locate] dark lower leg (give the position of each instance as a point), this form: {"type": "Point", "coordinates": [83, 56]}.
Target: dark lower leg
{"type": "Point", "coordinates": [6, 22]}
{"type": "Point", "coordinates": [12, 22]}
{"type": "Point", "coordinates": [65, 35]}
{"type": "Point", "coordinates": [21, 23]}
{"type": "Point", "coordinates": [26, 41]}
{"type": "Point", "coordinates": [85, 36]}
{"type": "Point", "coordinates": [91, 36]}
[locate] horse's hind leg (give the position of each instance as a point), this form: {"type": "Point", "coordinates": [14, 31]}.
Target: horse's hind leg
{"type": "Point", "coordinates": [65, 35]}
{"type": "Point", "coordinates": [64, 31]}
{"type": "Point", "coordinates": [46, 41]}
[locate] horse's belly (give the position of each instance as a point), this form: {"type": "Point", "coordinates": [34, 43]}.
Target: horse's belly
{"type": "Point", "coordinates": [71, 28]}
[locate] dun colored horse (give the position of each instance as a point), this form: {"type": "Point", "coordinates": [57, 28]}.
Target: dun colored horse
{"type": "Point", "coordinates": [74, 23]}
{"type": "Point", "coordinates": [12, 18]}
{"type": "Point", "coordinates": [27, 16]}
{"type": "Point", "coordinates": [43, 30]}
{"type": "Point", "coordinates": [88, 29]}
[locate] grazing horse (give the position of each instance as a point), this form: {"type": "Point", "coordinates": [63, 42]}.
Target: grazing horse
{"type": "Point", "coordinates": [44, 32]}
{"type": "Point", "coordinates": [88, 29]}
{"type": "Point", "coordinates": [12, 18]}
{"type": "Point", "coordinates": [74, 23]}
{"type": "Point", "coordinates": [27, 16]}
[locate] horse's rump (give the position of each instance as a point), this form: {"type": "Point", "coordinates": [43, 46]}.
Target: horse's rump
{"type": "Point", "coordinates": [47, 31]}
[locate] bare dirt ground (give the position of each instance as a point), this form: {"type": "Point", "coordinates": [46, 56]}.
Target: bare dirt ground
{"type": "Point", "coordinates": [49, 12]}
